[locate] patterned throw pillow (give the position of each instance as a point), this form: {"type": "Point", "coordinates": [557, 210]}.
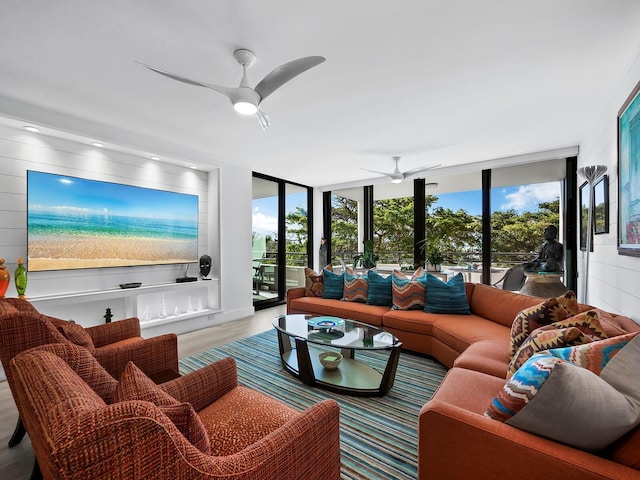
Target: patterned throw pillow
{"type": "Point", "coordinates": [549, 311]}
{"type": "Point", "coordinates": [379, 289]}
{"type": "Point", "coordinates": [587, 322]}
{"type": "Point", "coordinates": [76, 334]}
{"type": "Point", "coordinates": [356, 287]}
{"type": "Point", "coordinates": [314, 282]}
{"type": "Point", "coordinates": [541, 340]}
{"type": "Point", "coordinates": [135, 385]}
{"type": "Point", "coordinates": [449, 297]}
{"type": "Point", "coordinates": [587, 404]}
{"type": "Point", "coordinates": [409, 294]}
{"type": "Point", "coordinates": [582, 328]}
{"type": "Point", "coordinates": [333, 285]}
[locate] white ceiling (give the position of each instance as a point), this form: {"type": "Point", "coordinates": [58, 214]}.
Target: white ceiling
{"type": "Point", "coordinates": [445, 82]}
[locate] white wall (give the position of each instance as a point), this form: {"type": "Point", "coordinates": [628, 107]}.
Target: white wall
{"type": "Point", "coordinates": [235, 242]}
{"type": "Point", "coordinates": [224, 216]}
{"type": "Point", "coordinates": [613, 279]}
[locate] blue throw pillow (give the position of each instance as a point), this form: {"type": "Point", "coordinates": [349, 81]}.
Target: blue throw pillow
{"type": "Point", "coordinates": [380, 291]}
{"type": "Point", "coordinates": [333, 284]}
{"type": "Point", "coordinates": [449, 297]}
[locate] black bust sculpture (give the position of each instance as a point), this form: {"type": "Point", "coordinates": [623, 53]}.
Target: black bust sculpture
{"type": "Point", "coordinates": [551, 255]}
{"type": "Point", "coordinates": [205, 266]}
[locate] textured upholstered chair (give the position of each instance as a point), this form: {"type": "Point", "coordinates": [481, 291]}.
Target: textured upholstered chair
{"type": "Point", "coordinates": [113, 344]}
{"type": "Point", "coordinates": [81, 427]}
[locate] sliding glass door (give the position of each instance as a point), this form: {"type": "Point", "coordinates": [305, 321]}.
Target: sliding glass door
{"type": "Point", "coordinates": [281, 221]}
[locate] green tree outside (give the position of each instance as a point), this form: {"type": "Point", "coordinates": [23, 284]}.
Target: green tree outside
{"type": "Point", "coordinates": [458, 231]}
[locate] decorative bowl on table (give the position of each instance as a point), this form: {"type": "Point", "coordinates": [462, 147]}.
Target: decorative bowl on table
{"type": "Point", "coordinates": [330, 360]}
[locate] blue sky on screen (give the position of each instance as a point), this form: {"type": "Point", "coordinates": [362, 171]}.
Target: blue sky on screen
{"type": "Point", "coordinates": [64, 194]}
{"type": "Point", "coordinates": [520, 198]}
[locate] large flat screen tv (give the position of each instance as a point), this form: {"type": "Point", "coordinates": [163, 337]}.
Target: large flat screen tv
{"type": "Point", "coordinates": [79, 223]}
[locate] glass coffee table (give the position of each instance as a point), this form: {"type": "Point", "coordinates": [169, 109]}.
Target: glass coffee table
{"type": "Point", "coordinates": [302, 338]}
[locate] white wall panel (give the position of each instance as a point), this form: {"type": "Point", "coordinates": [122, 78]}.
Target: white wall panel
{"type": "Point", "coordinates": [614, 279]}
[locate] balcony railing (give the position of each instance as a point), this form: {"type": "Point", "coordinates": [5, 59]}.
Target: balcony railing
{"type": "Point", "coordinates": [451, 259]}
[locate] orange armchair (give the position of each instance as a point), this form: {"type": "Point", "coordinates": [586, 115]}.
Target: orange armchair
{"type": "Point", "coordinates": [63, 394]}
{"type": "Point", "coordinates": [113, 344]}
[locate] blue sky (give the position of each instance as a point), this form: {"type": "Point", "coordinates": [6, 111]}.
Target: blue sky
{"type": "Point", "coordinates": [520, 198]}
{"type": "Point", "coordinates": [63, 194]}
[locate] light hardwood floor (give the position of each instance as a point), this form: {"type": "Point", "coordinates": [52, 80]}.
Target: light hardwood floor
{"type": "Point", "coordinates": [16, 463]}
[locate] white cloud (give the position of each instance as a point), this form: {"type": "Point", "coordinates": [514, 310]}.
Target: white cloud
{"type": "Point", "coordinates": [263, 223]}
{"type": "Point", "coordinates": [527, 197]}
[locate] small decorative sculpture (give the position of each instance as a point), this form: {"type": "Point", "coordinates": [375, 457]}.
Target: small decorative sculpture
{"type": "Point", "coordinates": [551, 254]}
{"type": "Point", "coordinates": [324, 261]}
{"type": "Point", "coordinates": [205, 266]}
{"type": "Point", "coordinates": [108, 316]}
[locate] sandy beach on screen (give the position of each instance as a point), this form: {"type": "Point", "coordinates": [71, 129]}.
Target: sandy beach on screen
{"type": "Point", "coordinates": [59, 253]}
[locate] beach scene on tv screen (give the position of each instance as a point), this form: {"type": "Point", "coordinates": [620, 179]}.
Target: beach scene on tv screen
{"type": "Point", "coordinates": [81, 223]}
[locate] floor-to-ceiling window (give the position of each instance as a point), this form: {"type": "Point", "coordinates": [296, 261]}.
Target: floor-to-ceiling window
{"type": "Point", "coordinates": [477, 230]}
{"type": "Point", "coordinates": [345, 238]}
{"type": "Point", "coordinates": [525, 199]}
{"type": "Point", "coordinates": [281, 229]}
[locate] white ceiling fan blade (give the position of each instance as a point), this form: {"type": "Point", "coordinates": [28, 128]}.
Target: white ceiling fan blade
{"type": "Point", "coordinates": [263, 119]}
{"type": "Point", "coordinates": [228, 91]}
{"type": "Point", "coordinates": [413, 171]}
{"type": "Point", "coordinates": [386, 174]}
{"type": "Point", "coordinates": [284, 73]}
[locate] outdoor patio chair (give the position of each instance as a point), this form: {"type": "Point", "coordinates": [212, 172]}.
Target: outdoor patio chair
{"type": "Point", "coordinates": [512, 280]}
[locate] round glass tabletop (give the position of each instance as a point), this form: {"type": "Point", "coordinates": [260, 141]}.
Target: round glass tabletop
{"type": "Point", "coordinates": [334, 331]}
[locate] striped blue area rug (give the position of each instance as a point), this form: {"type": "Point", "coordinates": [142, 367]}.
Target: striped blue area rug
{"type": "Point", "coordinates": [378, 436]}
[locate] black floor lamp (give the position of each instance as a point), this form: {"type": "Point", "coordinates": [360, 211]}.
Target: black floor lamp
{"type": "Point", "coordinates": [591, 175]}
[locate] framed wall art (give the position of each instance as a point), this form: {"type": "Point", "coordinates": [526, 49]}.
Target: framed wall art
{"type": "Point", "coordinates": [629, 175]}
{"type": "Point", "coordinates": [584, 199]}
{"type": "Point", "coordinates": [601, 205]}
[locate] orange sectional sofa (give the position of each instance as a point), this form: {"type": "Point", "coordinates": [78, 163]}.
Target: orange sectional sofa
{"type": "Point", "coordinates": [455, 439]}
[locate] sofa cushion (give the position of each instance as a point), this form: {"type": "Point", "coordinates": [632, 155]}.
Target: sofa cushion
{"type": "Point", "coordinates": [550, 311]}
{"type": "Point", "coordinates": [468, 389]}
{"type": "Point", "coordinates": [380, 292]}
{"type": "Point", "coordinates": [314, 282]}
{"type": "Point", "coordinates": [333, 285]}
{"type": "Point", "coordinates": [356, 287]}
{"type": "Point", "coordinates": [585, 396]}
{"type": "Point", "coordinates": [484, 299]}
{"type": "Point", "coordinates": [449, 297]}
{"type": "Point", "coordinates": [409, 293]}
{"type": "Point", "coordinates": [242, 417]}
{"type": "Point", "coordinates": [135, 385]}
{"type": "Point", "coordinates": [371, 314]}
{"type": "Point", "coordinates": [486, 356]}
{"type": "Point", "coordinates": [410, 321]}
{"type": "Point", "coordinates": [460, 331]}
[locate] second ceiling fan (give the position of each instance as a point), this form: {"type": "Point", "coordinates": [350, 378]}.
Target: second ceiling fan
{"type": "Point", "coordinates": [398, 176]}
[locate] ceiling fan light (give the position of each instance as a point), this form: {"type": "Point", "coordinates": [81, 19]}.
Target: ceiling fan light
{"type": "Point", "coordinates": [396, 180]}
{"type": "Point", "coordinates": [245, 108]}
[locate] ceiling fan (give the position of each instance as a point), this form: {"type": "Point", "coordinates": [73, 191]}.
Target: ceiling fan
{"type": "Point", "coordinates": [397, 176]}
{"type": "Point", "coordinates": [246, 100]}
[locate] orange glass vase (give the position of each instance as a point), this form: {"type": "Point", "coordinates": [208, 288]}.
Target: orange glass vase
{"type": "Point", "coordinates": [5, 278]}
